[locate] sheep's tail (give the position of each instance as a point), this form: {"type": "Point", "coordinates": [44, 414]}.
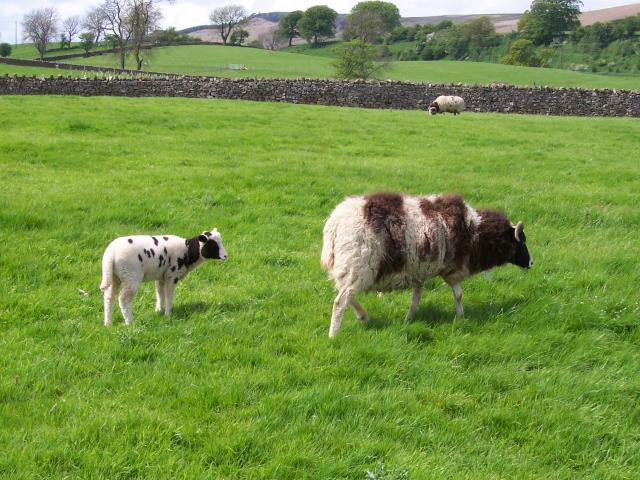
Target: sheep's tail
{"type": "Point", "coordinates": [328, 245]}
{"type": "Point", "coordinates": [107, 270]}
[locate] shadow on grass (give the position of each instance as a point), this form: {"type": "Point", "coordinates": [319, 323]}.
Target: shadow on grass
{"type": "Point", "coordinates": [185, 310]}
{"type": "Point", "coordinates": [434, 315]}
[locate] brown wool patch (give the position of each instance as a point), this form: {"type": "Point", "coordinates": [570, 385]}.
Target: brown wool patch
{"type": "Point", "coordinates": [452, 210]}
{"type": "Point", "coordinates": [384, 214]}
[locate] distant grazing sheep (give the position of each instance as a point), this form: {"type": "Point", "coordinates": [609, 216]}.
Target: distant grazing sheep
{"type": "Point", "coordinates": [129, 261]}
{"type": "Point", "coordinates": [447, 103]}
{"type": "Point", "coordinates": [389, 241]}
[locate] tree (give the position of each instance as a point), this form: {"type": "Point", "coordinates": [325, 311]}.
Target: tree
{"type": "Point", "coordinates": [522, 52]}
{"type": "Point", "coordinates": [318, 21]}
{"type": "Point", "coordinates": [86, 42]}
{"type": "Point", "coordinates": [94, 22]}
{"type": "Point", "coordinates": [144, 18]}
{"type": "Point", "coordinates": [480, 33]}
{"type": "Point", "coordinates": [116, 19]}
{"type": "Point", "coordinates": [356, 59]}
{"type": "Point", "coordinates": [372, 19]}
{"type": "Point", "coordinates": [228, 18]}
{"type": "Point", "coordinates": [40, 26]}
{"type": "Point", "coordinates": [288, 25]}
{"type": "Point", "coordinates": [5, 49]}
{"type": "Point", "coordinates": [547, 19]}
{"type": "Point", "coordinates": [238, 36]}
{"type": "Point", "coordinates": [71, 27]}
{"type": "Point", "coordinates": [270, 39]}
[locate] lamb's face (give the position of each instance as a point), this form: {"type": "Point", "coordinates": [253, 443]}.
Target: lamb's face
{"type": "Point", "coordinates": [434, 108]}
{"type": "Point", "coordinates": [211, 246]}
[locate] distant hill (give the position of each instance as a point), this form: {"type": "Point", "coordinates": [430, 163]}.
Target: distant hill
{"type": "Point", "coordinates": [260, 24]}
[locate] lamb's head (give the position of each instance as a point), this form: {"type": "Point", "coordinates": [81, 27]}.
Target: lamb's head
{"type": "Point", "coordinates": [522, 258]}
{"type": "Point", "coordinates": [211, 246]}
{"type": "Point", "coordinates": [434, 108]}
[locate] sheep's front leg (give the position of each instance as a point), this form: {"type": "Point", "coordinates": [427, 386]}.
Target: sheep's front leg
{"type": "Point", "coordinates": [169, 290]}
{"type": "Point", "coordinates": [339, 304]}
{"type": "Point", "coordinates": [457, 294]}
{"type": "Point", "coordinates": [361, 313]}
{"type": "Point", "coordinates": [415, 299]}
{"type": "Point", "coordinates": [160, 296]}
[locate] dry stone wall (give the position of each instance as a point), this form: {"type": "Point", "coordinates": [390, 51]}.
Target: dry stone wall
{"type": "Point", "coordinates": [365, 94]}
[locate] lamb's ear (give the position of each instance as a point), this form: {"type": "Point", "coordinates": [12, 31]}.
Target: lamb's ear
{"type": "Point", "coordinates": [202, 238]}
{"type": "Point", "coordinates": [519, 228]}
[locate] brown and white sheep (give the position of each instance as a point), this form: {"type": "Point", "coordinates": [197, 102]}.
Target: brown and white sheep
{"type": "Point", "coordinates": [390, 241]}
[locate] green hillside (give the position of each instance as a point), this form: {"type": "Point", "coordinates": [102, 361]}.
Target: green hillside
{"type": "Point", "coordinates": [538, 381]}
{"type": "Point", "coordinates": [212, 60]}
{"type": "Point", "coordinates": [221, 61]}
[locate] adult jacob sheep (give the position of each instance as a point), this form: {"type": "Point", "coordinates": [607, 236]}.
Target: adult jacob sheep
{"type": "Point", "coordinates": [447, 103]}
{"type": "Point", "coordinates": [167, 259]}
{"type": "Point", "coordinates": [390, 241]}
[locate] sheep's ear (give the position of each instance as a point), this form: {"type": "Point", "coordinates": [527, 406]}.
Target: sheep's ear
{"type": "Point", "coordinates": [519, 228]}
{"type": "Point", "coordinates": [202, 238]}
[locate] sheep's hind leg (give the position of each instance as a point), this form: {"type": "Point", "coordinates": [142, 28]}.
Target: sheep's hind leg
{"type": "Point", "coordinates": [126, 298]}
{"type": "Point", "coordinates": [339, 305]}
{"type": "Point", "coordinates": [109, 299]}
{"type": "Point", "coordinates": [457, 295]}
{"type": "Point", "coordinates": [361, 313]}
{"type": "Point", "coordinates": [160, 299]}
{"type": "Point", "coordinates": [415, 299]}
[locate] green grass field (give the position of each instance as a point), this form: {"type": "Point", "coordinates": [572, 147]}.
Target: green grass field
{"type": "Point", "coordinates": [210, 60]}
{"type": "Point", "coordinates": [539, 380]}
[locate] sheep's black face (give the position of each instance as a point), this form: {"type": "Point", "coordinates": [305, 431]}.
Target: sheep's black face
{"type": "Point", "coordinates": [434, 108]}
{"type": "Point", "coordinates": [211, 246]}
{"type": "Point", "coordinates": [522, 258]}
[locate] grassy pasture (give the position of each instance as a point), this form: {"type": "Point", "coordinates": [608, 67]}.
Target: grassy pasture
{"type": "Point", "coordinates": [210, 60]}
{"type": "Point", "coordinates": [540, 380]}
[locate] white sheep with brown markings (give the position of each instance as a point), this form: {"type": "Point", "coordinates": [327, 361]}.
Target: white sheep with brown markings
{"type": "Point", "coordinates": [389, 241]}
{"type": "Point", "coordinates": [447, 104]}
{"type": "Point", "coordinates": [165, 259]}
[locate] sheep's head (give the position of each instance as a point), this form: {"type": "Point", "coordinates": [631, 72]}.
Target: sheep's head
{"type": "Point", "coordinates": [522, 258]}
{"type": "Point", "coordinates": [434, 108]}
{"type": "Point", "coordinates": [211, 246]}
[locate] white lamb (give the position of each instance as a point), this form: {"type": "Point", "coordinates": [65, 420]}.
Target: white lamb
{"type": "Point", "coordinates": [447, 103]}
{"type": "Point", "coordinates": [129, 261]}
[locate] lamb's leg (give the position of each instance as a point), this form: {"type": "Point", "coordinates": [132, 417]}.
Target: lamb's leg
{"type": "Point", "coordinates": [109, 299]}
{"type": "Point", "coordinates": [159, 296]}
{"type": "Point", "coordinates": [339, 304]}
{"type": "Point", "coordinates": [129, 290]}
{"type": "Point", "coordinates": [361, 313]}
{"type": "Point", "coordinates": [169, 290]}
{"type": "Point", "coordinates": [415, 299]}
{"type": "Point", "coordinates": [457, 294]}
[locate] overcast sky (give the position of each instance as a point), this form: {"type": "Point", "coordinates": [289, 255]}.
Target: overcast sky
{"type": "Point", "coordinates": [187, 13]}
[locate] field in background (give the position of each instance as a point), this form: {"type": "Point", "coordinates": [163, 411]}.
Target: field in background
{"type": "Point", "coordinates": [538, 381]}
{"type": "Point", "coordinates": [214, 60]}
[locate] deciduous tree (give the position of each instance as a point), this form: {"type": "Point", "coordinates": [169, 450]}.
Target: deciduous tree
{"type": "Point", "coordinates": [71, 27]}
{"type": "Point", "coordinates": [317, 22]}
{"type": "Point", "coordinates": [288, 25]}
{"type": "Point", "coordinates": [371, 20]}
{"type": "Point", "coordinates": [547, 19]}
{"type": "Point", "coordinates": [228, 18]}
{"type": "Point", "coordinates": [40, 27]}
